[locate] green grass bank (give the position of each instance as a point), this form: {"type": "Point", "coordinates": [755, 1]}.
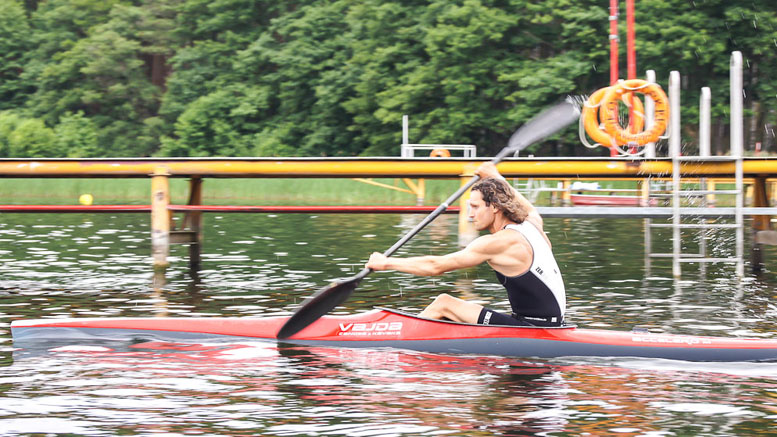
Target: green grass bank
{"type": "Point", "coordinates": [222, 191]}
{"type": "Point", "coordinates": [247, 191]}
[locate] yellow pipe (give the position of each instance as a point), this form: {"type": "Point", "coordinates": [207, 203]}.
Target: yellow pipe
{"type": "Point", "coordinates": [413, 187]}
{"type": "Point", "coordinates": [382, 185]}
{"type": "Point", "coordinates": [372, 167]}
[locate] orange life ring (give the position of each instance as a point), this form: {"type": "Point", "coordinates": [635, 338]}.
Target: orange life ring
{"type": "Point", "coordinates": [608, 112]}
{"type": "Point", "coordinates": [440, 153]}
{"type": "Point", "coordinates": [591, 123]}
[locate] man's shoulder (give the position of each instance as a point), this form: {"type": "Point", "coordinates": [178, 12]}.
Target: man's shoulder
{"type": "Point", "coordinates": [498, 241]}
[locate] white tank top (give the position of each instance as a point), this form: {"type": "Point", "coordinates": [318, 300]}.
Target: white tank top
{"type": "Point", "coordinates": [539, 291]}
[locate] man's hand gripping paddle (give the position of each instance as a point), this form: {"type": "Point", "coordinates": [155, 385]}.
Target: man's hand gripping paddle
{"type": "Point", "coordinates": [542, 126]}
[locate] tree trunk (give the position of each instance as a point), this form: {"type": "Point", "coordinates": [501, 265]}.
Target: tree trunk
{"type": "Point", "coordinates": [755, 110]}
{"type": "Point", "coordinates": [769, 126]}
{"type": "Point", "coordinates": [159, 70]}
{"type": "Point", "coordinates": [755, 121]}
{"type": "Point", "coordinates": [719, 137]}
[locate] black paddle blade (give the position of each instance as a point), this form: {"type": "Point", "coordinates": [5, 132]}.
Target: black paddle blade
{"type": "Point", "coordinates": [319, 304]}
{"type": "Point", "coordinates": [544, 124]}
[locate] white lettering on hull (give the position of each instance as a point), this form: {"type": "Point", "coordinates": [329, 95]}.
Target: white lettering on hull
{"type": "Point", "coordinates": [670, 340]}
{"type": "Point", "coordinates": [370, 329]}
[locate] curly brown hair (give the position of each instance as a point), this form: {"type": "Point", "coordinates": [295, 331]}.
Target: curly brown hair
{"type": "Point", "coordinates": [498, 193]}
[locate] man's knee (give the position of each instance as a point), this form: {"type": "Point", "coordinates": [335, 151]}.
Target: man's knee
{"type": "Point", "coordinates": [444, 299]}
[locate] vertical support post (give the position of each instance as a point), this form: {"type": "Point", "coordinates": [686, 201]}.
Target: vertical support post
{"type": "Point", "coordinates": [405, 151]}
{"type": "Point", "coordinates": [648, 245]}
{"type": "Point", "coordinates": [566, 192]}
{"type": "Point", "coordinates": [760, 222]}
{"type": "Point", "coordinates": [650, 115]}
{"type": "Point", "coordinates": [643, 191]}
{"type": "Point", "coordinates": [674, 152]}
{"type": "Point", "coordinates": [705, 132]}
{"type": "Point", "coordinates": [160, 218]}
{"type": "Point", "coordinates": [631, 54]}
{"type": "Point", "coordinates": [737, 140]}
{"type": "Point", "coordinates": [650, 152]}
{"type": "Point", "coordinates": [613, 41]}
{"type": "Point", "coordinates": [705, 102]}
{"type": "Point", "coordinates": [705, 122]}
{"type": "Point", "coordinates": [194, 221]}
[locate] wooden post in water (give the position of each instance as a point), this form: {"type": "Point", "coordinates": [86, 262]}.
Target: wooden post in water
{"type": "Point", "coordinates": [762, 224]}
{"type": "Point", "coordinates": [160, 218]}
{"type": "Point", "coordinates": [566, 194]}
{"type": "Point", "coordinates": [193, 221]}
{"type": "Point", "coordinates": [190, 229]}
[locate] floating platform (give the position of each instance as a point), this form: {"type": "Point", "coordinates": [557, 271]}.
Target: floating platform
{"type": "Point", "coordinates": [165, 231]}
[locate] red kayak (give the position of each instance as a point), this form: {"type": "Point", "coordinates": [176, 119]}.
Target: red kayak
{"type": "Point", "coordinates": [390, 328]}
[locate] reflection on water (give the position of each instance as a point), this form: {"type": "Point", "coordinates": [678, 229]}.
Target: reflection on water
{"type": "Point", "coordinates": [263, 264]}
{"type": "Point", "coordinates": [244, 387]}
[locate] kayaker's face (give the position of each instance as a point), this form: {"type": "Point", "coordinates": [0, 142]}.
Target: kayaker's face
{"type": "Point", "coordinates": [482, 216]}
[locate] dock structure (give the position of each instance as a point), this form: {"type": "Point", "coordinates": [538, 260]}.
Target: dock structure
{"type": "Point", "coordinates": [688, 176]}
{"type": "Point", "coordinates": [756, 171]}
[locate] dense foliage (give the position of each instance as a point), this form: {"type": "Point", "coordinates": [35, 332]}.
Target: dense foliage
{"type": "Point", "coordinates": [88, 78]}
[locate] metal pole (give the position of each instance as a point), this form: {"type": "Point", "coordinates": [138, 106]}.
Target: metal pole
{"type": "Point", "coordinates": [737, 135]}
{"type": "Point", "coordinates": [631, 55]}
{"type": "Point", "coordinates": [704, 122]}
{"type": "Point", "coordinates": [704, 151]}
{"type": "Point", "coordinates": [650, 152]}
{"type": "Point", "coordinates": [613, 42]}
{"type": "Point", "coordinates": [650, 115]}
{"type": "Point", "coordinates": [737, 140]}
{"type": "Point", "coordinates": [674, 152]}
{"type": "Point", "coordinates": [195, 224]}
{"type": "Point", "coordinates": [404, 152]}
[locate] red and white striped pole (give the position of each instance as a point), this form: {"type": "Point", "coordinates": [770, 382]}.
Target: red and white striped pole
{"type": "Point", "coordinates": [613, 52]}
{"type": "Point", "coordinates": [631, 55]}
{"type": "Point", "coordinates": [613, 42]}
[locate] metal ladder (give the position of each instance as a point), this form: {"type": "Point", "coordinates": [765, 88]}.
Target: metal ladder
{"type": "Point", "coordinates": [682, 218]}
{"type": "Point", "coordinates": [678, 212]}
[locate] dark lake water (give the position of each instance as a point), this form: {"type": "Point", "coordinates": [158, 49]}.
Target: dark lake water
{"type": "Point", "coordinates": [80, 265]}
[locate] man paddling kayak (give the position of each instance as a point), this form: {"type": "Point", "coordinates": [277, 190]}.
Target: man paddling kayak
{"type": "Point", "coordinates": [516, 248]}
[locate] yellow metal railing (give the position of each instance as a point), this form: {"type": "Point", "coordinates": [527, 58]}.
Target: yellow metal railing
{"type": "Point", "coordinates": [375, 167]}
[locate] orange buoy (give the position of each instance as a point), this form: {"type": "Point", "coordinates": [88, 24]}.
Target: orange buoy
{"type": "Point", "coordinates": [440, 153]}
{"type": "Point", "coordinates": [591, 122]}
{"type": "Point", "coordinates": [608, 112]}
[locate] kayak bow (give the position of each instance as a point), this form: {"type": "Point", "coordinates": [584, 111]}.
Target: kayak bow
{"type": "Point", "coordinates": [395, 329]}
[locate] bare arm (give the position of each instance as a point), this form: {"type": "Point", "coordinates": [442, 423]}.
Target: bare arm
{"type": "Point", "coordinates": [477, 252]}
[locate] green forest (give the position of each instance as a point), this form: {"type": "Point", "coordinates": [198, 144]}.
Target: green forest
{"type": "Point", "coordinates": [198, 78]}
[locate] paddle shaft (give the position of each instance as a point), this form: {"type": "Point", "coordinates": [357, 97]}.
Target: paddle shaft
{"type": "Point", "coordinates": [545, 124]}
{"type": "Point", "coordinates": [434, 214]}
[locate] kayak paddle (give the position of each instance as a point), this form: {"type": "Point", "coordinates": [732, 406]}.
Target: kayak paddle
{"type": "Point", "coordinates": [543, 125]}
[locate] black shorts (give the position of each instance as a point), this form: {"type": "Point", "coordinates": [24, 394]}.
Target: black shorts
{"type": "Point", "coordinates": [490, 317]}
